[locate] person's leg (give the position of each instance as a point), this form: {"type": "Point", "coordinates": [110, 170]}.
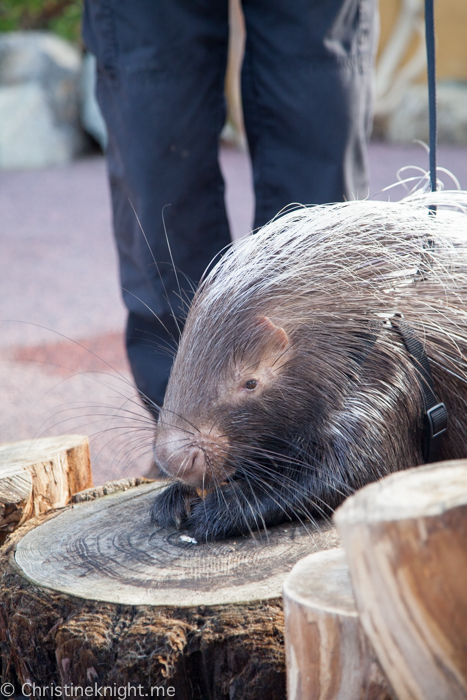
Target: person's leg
{"type": "Point", "coordinates": [161, 67]}
{"type": "Point", "coordinates": [307, 84]}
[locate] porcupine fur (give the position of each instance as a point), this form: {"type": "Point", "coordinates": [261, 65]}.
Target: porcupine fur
{"type": "Point", "coordinates": [303, 308]}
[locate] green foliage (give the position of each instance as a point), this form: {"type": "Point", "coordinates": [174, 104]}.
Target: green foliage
{"type": "Point", "coordinates": [60, 16]}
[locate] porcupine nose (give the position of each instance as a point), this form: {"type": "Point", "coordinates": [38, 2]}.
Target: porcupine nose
{"type": "Point", "coordinates": [193, 468]}
{"type": "Point", "coordinates": [183, 462]}
{"type": "Point", "coordinates": [199, 460]}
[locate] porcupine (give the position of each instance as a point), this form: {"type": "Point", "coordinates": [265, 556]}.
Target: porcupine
{"type": "Point", "coordinates": [292, 387]}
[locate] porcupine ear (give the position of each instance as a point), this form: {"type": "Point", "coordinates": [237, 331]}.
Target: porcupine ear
{"type": "Point", "coordinates": [274, 337]}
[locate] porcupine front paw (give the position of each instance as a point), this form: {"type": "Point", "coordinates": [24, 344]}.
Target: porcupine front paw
{"type": "Point", "coordinates": [173, 506]}
{"type": "Point", "coordinates": [228, 511]}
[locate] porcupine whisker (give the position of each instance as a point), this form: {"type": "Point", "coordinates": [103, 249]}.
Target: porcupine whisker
{"type": "Point", "coordinates": [163, 346]}
{"type": "Point", "coordinates": [120, 376]}
{"type": "Point", "coordinates": [248, 475]}
{"type": "Point", "coordinates": [189, 433]}
{"type": "Point", "coordinates": [254, 513]}
{"type": "Point", "coordinates": [126, 448]}
{"type": "Point", "coordinates": [124, 451]}
{"type": "Point", "coordinates": [158, 270]}
{"type": "Point", "coordinates": [156, 316]}
{"type": "Point", "coordinates": [181, 417]}
{"type": "Point", "coordinates": [90, 375]}
{"type": "Point", "coordinates": [291, 463]}
{"type": "Point", "coordinates": [176, 450]}
{"type": "Point", "coordinates": [131, 415]}
{"type": "Point", "coordinates": [282, 476]}
{"type": "Point", "coordinates": [186, 441]}
{"type": "Point", "coordinates": [219, 490]}
{"type": "Point", "coordinates": [101, 431]}
{"type": "Point", "coordinates": [264, 485]}
{"type": "Point", "coordinates": [93, 434]}
{"type": "Point", "coordinates": [170, 250]}
{"type": "Point", "coordinates": [125, 432]}
{"type": "Point", "coordinates": [287, 443]}
{"type": "Point", "coordinates": [300, 464]}
{"type": "Point", "coordinates": [169, 458]}
{"type": "Point", "coordinates": [146, 424]}
{"type": "Point", "coordinates": [272, 454]}
{"type": "Point", "coordinates": [296, 487]}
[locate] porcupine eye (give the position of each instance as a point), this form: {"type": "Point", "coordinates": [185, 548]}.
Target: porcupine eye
{"type": "Point", "coordinates": [251, 384]}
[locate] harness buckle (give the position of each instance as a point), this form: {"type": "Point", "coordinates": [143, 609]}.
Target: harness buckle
{"type": "Point", "coordinates": [437, 419]}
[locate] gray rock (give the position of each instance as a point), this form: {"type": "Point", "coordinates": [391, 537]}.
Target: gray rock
{"type": "Point", "coordinates": [409, 120]}
{"type": "Point", "coordinates": [40, 78]}
{"type": "Point", "coordinates": [91, 116]}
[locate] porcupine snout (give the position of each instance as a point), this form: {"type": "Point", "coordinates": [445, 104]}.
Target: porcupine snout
{"type": "Point", "coordinates": [195, 459]}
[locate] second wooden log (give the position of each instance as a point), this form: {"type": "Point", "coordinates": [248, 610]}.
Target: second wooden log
{"type": "Point", "coordinates": [406, 541]}
{"type": "Point", "coordinates": [328, 654]}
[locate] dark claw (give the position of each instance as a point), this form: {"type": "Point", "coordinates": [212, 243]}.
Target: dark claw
{"type": "Point", "coordinates": [173, 506]}
{"type": "Point", "coordinates": [223, 513]}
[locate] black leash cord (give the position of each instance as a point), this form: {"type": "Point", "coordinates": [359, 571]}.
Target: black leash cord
{"type": "Point", "coordinates": [431, 64]}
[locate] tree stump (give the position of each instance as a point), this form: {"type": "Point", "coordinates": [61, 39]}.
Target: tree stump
{"type": "Point", "coordinates": [406, 541]}
{"type": "Point", "coordinates": [328, 654]}
{"type": "Point", "coordinates": [38, 475]}
{"type": "Point", "coordinates": [96, 594]}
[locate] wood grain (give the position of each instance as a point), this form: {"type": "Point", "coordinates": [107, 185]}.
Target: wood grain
{"type": "Point", "coordinates": [406, 540]}
{"type": "Point", "coordinates": [39, 475]}
{"type": "Point", "coordinates": [109, 550]}
{"type": "Point", "coordinates": [328, 654]}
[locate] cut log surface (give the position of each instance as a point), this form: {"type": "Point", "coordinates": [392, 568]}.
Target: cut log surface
{"type": "Point", "coordinates": [39, 475]}
{"type": "Point", "coordinates": [328, 654]}
{"type": "Point", "coordinates": [406, 541]}
{"type": "Point", "coordinates": [109, 550]}
{"type": "Point", "coordinates": [96, 593]}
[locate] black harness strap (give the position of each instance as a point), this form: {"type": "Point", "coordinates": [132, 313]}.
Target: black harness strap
{"type": "Point", "coordinates": [435, 417]}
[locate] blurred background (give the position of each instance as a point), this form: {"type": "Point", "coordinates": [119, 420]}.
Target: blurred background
{"type": "Point", "coordinates": [62, 361]}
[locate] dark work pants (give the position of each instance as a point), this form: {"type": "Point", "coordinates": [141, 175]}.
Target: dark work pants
{"type": "Point", "coordinates": [306, 90]}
